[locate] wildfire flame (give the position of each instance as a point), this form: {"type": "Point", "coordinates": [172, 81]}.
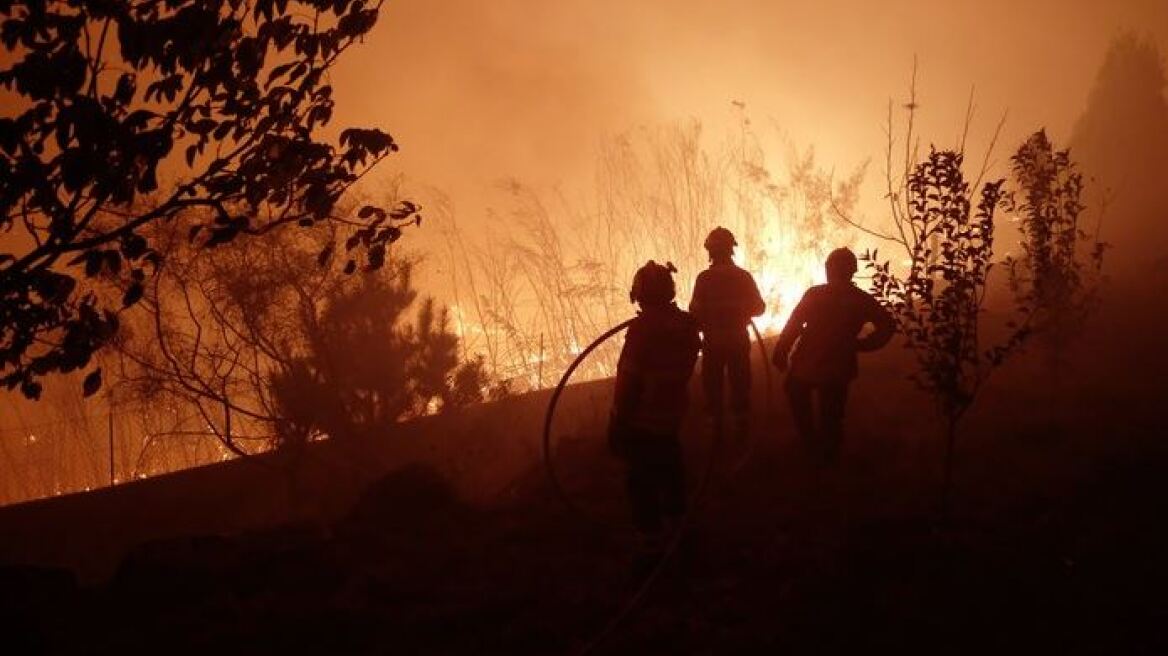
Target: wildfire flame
{"type": "Point", "coordinates": [557, 277]}
{"type": "Point", "coordinates": [783, 273]}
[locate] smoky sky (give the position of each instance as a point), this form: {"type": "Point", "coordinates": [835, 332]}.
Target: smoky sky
{"type": "Point", "coordinates": [477, 91]}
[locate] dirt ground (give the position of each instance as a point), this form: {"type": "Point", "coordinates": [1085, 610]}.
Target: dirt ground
{"type": "Point", "coordinates": [1055, 543]}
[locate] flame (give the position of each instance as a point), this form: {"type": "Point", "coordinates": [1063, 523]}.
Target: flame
{"type": "Point", "coordinates": [547, 287]}
{"type": "Point", "coordinates": [784, 265]}
{"type": "Point", "coordinates": [782, 277]}
{"type": "Point", "coordinates": [776, 249]}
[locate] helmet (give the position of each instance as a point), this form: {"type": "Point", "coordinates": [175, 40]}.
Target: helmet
{"type": "Point", "coordinates": [841, 263]}
{"type": "Point", "coordinates": [653, 284]}
{"type": "Point", "coordinates": [720, 239]}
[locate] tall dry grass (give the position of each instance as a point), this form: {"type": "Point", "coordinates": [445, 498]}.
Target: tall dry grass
{"type": "Point", "coordinates": [551, 269]}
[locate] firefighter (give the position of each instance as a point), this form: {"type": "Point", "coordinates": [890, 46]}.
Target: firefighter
{"type": "Point", "coordinates": [650, 401]}
{"type": "Point", "coordinates": [725, 297]}
{"type": "Point", "coordinates": [827, 325]}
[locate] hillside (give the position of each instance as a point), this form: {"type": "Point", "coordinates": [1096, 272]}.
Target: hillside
{"type": "Point", "coordinates": [445, 537]}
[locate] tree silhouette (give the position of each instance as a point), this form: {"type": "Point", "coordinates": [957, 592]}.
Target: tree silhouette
{"type": "Point", "coordinates": [1121, 142]}
{"type": "Point", "coordinates": [939, 302]}
{"type": "Point", "coordinates": [223, 97]}
{"type": "Point", "coordinates": [368, 367]}
{"type": "Point", "coordinates": [264, 348]}
{"type": "Point", "coordinates": [944, 224]}
{"type": "Point", "coordinates": [1058, 273]}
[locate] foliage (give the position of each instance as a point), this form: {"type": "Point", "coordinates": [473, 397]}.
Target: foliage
{"type": "Point", "coordinates": [263, 347]}
{"type": "Point", "coordinates": [1058, 272]}
{"type": "Point", "coordinates": [366, 369]}
{"type": "Point", "coordinates": [944, 223]}
{"type": "Point", "coordinates": [225, 96]}
{"type": "Point", "coordinates": [939, 301]}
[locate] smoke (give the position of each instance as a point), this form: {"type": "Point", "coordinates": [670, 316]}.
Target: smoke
{"type": "Point", "coordinates": [481, 91]}
{"type": "Point", "coordinates": [477, 92]}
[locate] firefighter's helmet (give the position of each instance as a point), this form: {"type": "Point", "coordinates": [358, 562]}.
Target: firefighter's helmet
{"type": "Point", "coordinates": [841, 264]}
{"type": "Point", "coordinates": [653, 284]}
{"type": "Point", "coordinates": [720, 240]}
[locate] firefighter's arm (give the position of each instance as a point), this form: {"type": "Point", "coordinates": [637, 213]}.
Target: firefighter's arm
{"type": "Point", "coordinates": [882, 321]}
{"type": "Point", "coordinates": [625, 399]}
{"type": "Point", "coordinates": [698, 301]}
{"type": "Point", "coordinates": [756, 305]}
{"type": "Point", "coordinates": [791, 333]}
{"type": "Point", "coordinates": [626, 394]}
{"type": "Point", "coordinates": [629, 379]}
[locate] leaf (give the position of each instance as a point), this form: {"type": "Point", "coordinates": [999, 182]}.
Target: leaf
{"type": "Point", "coordinates": [113, 261]}
{"type": "Point", "coordinates": [370, 210]}
{"type": "Point", "coordinates": [223, 130]}
{"type": "Point", "coordinates": [326, 254]}
{"type": "Point", "coordinates": [280, 70]}
{"type": "Point", "coordinates": [376, 257]}
{"type": "Point", "coordinates": [93, 262]}
{"type": "Point", "coordinates": [92, 383]}
{"type": "Point", "coordinates": [134, 246]}
{"type": "Point", "coordinates": [31, 389]}
{"type": "Point", "coordinates": [133, 294]}
{"type": "Point", "coordinates": [126, 87]}
{"type": "Point", "coordinates": [203, 126]}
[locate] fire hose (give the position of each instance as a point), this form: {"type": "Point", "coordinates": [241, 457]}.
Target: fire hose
{"type": "Point", "coordinates": [766, 368]}
{"type": "Point", "coordinates": [675, 540]}
{"type": "Point", "coordinates": [549, 416]}
{"type": "Point", "coordinates": [549, 464]}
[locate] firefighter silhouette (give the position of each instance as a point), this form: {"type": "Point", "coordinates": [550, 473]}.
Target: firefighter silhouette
{"type": "Point", "coordinates": [725, 297]}
{"type": "Point", "coordinates": [827, 324]}
{"type": "Point", "coordinates": [650, 401]}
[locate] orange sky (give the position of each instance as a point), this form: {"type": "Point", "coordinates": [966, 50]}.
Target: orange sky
{"type": "Point", "coordinates": [476, 91]}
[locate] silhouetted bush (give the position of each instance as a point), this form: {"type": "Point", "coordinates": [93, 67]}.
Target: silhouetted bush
{"type": "Point", "coordinates": [227, 97]}
{"type": "Point", "coordinates": [1058, 273]}
{"type": "Point", "coordinates": [265, 347]}
{"type": "Point", "coordinates": [939, 302]}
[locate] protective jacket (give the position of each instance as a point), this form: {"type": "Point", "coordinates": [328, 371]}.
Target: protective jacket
{"type": "Point", "coordinates": [827, 324]}
{"type": "Point", "coordinates": [654, 369]}
{"type": "Point", "coordinates": [725, 297]}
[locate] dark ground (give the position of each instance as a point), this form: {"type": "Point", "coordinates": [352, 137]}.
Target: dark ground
{"type": "Point", "coordinates": [1057, 543]}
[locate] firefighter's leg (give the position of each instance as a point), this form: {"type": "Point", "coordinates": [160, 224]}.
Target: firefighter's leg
{"type": "Point", "coordinates": [674, 500]}
{"type": "Point", "coordinates": [833, 399]}
{"type": "Point", "coordinates": [713, 365]}
{"type": "Point", "coordinates": [738, 370]}
{"type": "Point", "coordinates": [671, 477]}
{"type": "Point", "coordinates": [644, 499]}
{"type": "Point", "coordinates": [647, 501]}
{"type": "Point", "coordinates": [799, 396]}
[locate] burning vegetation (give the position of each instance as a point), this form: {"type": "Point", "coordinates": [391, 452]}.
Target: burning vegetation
{"type": "Point", "coordinates": [197, 268]}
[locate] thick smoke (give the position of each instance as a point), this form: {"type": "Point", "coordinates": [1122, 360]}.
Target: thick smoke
{"type": "Point", "coordinates": [480, 91]}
